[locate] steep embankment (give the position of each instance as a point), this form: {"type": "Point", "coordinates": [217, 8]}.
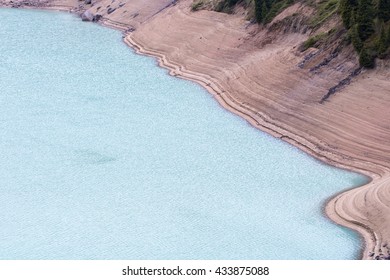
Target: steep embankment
{"type": "Point", "coordinates": [262, 76]}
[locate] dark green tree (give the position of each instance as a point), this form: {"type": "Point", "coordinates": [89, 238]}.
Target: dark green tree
{"type": "Point", "coordinates": [355, 39]}
{"type": "Point", "coordinates": [259, 10]}
{"type": "Point", "coordinates": [384, 10]}
{"type": "Point", "coordinates": [383, 43]}
{"type": "Point", "coordinates": [364, 19]}
{"type": "Point", "coordinates": [388, 36]}
{"type": "Point", "coordinates": [231, 3]}
{"type": "Point", "coordinates": [347, 8]}
{"type": "Point", "coordinates": [264, 10]}
{"type": "Point", "coordinates": [366, 59]}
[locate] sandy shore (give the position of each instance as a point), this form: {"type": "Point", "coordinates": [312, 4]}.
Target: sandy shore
{"type": "Point", "coordinates": [261, 76]}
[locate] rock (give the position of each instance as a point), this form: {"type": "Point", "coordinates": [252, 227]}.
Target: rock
{"type": "Point", "coordinates": [110, 10]}
{"type": "Point", "coordinates": [87, 2]}
{"type": "Point", "coordinates": [87, 16]}
{"type": "Point", "coordinates": [97, 17]}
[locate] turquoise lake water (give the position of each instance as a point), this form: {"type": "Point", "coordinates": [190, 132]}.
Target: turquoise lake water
{"type": "Point", "coordinates": [105, 156]}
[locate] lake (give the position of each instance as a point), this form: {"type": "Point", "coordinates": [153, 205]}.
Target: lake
{"type": "Point", "coordinates": [106, 156]}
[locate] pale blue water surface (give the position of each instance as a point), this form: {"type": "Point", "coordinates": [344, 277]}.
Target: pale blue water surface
{"type": "Point", "coordinates": [105, 156]}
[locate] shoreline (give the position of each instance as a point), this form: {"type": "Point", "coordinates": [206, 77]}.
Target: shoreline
{"type": "Point", "coordinates": [328, 208]}
{"type": "Point", "coordinates": [333, 207]}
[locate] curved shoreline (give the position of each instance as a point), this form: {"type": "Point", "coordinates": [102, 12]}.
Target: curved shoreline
{"type": "Point", "coordinates": [335, 207]}
{"type": "Point", "coordinates": [260, 122]}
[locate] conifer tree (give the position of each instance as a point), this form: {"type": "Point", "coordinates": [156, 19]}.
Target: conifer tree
{"type": "Point", "coordinates": [366, 59]}
{"type": "Point", "coordinates": [384, 10]}
{"type": "Point", "coordinates": [347, 9]}
{"type": "Point", "coordinates": [364, 19]}
{"type": "Point", "coordinates": [268, 4]}
{"type": "Point", "coordinates": [259, 10]}
{"type": "Point", "coordinates": [355, 39]}
{"type": "Point", "coordinates": [388, 36]}
{"type": "Point", "coordinates": [264, 10]}
{"type": "Point", "coordinates": [382, 43]}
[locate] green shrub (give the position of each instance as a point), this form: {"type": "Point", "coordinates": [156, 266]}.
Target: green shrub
{"type": "Point", "coordinates": [226, 6]}
{"type": "Point", "coordinates": [325, 10]}
{"type": "Point", "coordinates": [313, 41]}
{"type": "Point", "coordinates": [266, 10]}
{"type": "Point", "coordinates": [197, 5]}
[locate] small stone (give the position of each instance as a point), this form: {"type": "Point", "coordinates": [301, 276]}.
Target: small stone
{"type": "Point", "coordinates": [87, 16]}
{"type": "Point", "coordinates": [97, 17]}
{"type": "Point", "coordinates": [110, 10]}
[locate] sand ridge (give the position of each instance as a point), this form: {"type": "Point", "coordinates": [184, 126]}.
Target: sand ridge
{"type": "Point", "coordinates": [256, 74]}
